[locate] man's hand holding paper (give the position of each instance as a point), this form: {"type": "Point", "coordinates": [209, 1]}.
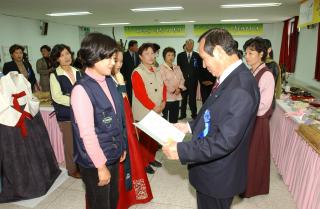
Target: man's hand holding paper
{"type": "Point", "coordinates": [170, 150]}
{"type": "Point", "coordinates": [159, 129]}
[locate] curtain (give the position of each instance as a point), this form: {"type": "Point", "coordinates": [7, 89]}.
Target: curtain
{"type": "Point", "coordinates": [284, 46]}
{"type": "Point", "coordinates": [317, 70]}
{"type": "Point", "coordinates": [293, 45]}
{"type": "Point", "coordinates": [289, 45]}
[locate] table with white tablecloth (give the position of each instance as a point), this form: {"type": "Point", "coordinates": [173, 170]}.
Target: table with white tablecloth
{"type": "Point", "coordinates": [297, 162]}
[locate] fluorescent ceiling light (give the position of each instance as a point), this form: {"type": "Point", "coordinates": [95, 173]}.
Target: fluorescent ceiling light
{"type": "Point", "coordinates": [152, 9]}
{"type": "Point", "coordinates": [182, 21]}
{"type": "Point", "coordinates": [228, 6]}
{"type": "Point", "coordinates": [240, 20]}
{"type": "Point", "coordinates": [69, 14]}
{"type": "Point", "coordinates": [119, 23]}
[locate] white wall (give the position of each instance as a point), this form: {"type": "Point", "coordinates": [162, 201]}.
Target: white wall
{"type": "Point", "coordinates": [27, 32]}
{"type": "Point", "coordinates": [23, 31]}
{"type": "Point", "coordinates": [306, 58]}
{"type": "Point", "coordinates": [271, 31]}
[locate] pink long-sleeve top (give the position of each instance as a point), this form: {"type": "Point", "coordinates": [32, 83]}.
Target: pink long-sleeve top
{"type": "Point", "coordinates": [84, 116]}
{"type": "Point", "coordinates": [173, 79]}
{"type": "Point", "coordinates": [266, 86]}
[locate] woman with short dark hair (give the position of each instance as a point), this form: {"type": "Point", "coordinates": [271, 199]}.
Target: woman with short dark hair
{"type": "Point", "coordinates": [62, 81]}
{"type": "Point", "coordinates": [174, 81]}
{"type": "Point", "coordinates": [19, 65]}
{"type": "Point", "coordinates": [149, 94]}
{"type": "Point", "coordinates": [97, 123]}
{"type": "Point", "coordinates": [259, 149]}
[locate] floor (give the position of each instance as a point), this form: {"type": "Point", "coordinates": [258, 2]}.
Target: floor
{"type": "Point", "coordinates": [171, 190]}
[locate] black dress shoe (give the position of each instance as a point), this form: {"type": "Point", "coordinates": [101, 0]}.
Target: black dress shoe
{"type": "Point", "coordinates": [182, 117]}
{"type": "Point", "coordinates": [149, 169]}
{"type": "Point", "coordinates": [156, 164]}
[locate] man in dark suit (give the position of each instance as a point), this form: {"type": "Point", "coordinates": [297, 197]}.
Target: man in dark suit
{"type": "Point", "coordinates": [217, 154]}
{"type": "Point", "coordinates": [190, 63]}
{"type": "Point", "coordinates": [130, 62]}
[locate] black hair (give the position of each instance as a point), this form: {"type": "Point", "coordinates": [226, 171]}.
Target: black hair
{"type": "Point", "coordinates": [96, 47]}
{"type": "Point", "coordinates": [268, 45]}
{"type": "Point", "coordinates": [45, 47]}
{"type": "Point", "coordinates": [15, 47]}
{"type": "Point", "coordinates": [167, 50]}
{"type": "Point", "coordinates": [218, 36]}
{"type": "Point", "coordinates": [144, 47]}
{"type": "Point", "coordinates": [132, 43]}
{"type": "Point", "coordinates": [56, 53]}
{"type": "Point", "coordinates": [257, 44]}
{"type": "Point", "coordinates": [156, 47]}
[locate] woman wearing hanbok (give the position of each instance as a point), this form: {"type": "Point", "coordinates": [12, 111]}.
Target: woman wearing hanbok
{"type": "Point", "coordinates": [259, 148]}
{"type": "Point", "coordinates": [134, 187]}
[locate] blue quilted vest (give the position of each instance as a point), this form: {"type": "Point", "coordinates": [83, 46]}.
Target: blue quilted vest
{"type": "Point", "coordinates": [108, 124]}
{"type": "Point", "coordinates": [62, 111]}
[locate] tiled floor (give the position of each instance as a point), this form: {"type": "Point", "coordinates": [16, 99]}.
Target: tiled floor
{"type": "Point", "coordinates": [171, 190]}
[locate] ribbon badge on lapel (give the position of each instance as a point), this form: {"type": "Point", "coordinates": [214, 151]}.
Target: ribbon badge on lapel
{"type": "Point", "coordinates": [206, 120]}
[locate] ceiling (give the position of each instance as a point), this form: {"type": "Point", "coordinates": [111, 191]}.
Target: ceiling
{"type": "Point", "coordinates": [110, 11]}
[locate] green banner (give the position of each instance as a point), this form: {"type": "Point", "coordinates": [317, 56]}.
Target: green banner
{"type": "Point", "coordinates": [155, 31]}
{"type": "Point", "coordinates": [234, 29]}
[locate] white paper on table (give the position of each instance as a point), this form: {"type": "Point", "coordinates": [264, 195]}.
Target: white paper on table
{"type": "Point", "coordinates": [159, 129]}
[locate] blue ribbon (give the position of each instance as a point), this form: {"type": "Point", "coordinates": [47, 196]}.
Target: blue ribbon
{"type": "Point", "coordinates": [206, 120]}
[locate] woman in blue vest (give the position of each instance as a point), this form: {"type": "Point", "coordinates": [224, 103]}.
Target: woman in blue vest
{"type": "Point", "coordinates": [61, 83]}
{"type": "Point", "coordinates": [97, 107]}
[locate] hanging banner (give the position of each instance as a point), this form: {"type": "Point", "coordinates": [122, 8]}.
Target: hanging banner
{"type": "Point", "coordinates": [234, 29]}
{"type": "Point", "coordinates": [309, 13]}
{"type": "Point", "coordinates": [155, 31]}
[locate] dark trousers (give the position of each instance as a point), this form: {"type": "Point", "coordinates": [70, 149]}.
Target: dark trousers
{"type": "Point", "coordinates": [101, 197]}
{"type": "Point", "coordinates": [190, 93]}
{"type": "Point", "coordinates": [208, 202]}
{"type": "Point", "coordinates": [205, 92]}
{"type": "Point", "coordinates": [172, 110]}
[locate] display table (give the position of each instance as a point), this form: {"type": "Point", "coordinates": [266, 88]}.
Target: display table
{"type": "Point", "coordinates": [297, 162]}
{"type": "Point", "coordinates": [54, 132]}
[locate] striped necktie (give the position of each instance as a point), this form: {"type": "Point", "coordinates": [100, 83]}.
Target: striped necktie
{"type": "Point", "coordinates": [215, 87]}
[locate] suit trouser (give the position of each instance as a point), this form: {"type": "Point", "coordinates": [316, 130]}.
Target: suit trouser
{"type": "Point", "coordinates": [67, 136]}
{"type": "Point", "coordinates": [101, 197]}
{"type": "Point", "coordinates": [205, 92]}
{"type": "Point", "coordinates": [208, 202]}
{"type": "Point", "coordinates": [191, 92]}
{"type": "Point", "coordinates": [172, 110]}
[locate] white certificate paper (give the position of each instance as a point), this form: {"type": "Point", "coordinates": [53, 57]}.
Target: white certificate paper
{"type": "Point", "coordinates": [159, 129]}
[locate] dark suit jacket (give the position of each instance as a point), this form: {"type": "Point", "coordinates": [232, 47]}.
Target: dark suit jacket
{"type": "Point", "coordinates": [205, 75]}
{"type": "Point", "coordinates": [190, 70]}
{"type": "Point", "coordinates": [12, 66]}
{"type": "Point", "coordinates": [128, 65]}
{"type": "Point", "coordinates": [217, 163]}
